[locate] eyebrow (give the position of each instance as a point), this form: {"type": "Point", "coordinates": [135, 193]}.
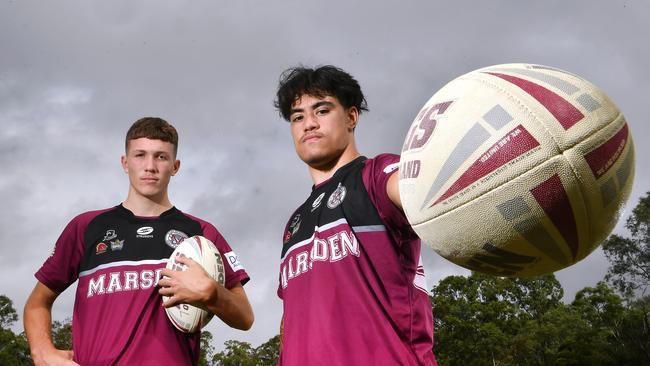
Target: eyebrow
{"type": "Point", "coordinates": [150, 151]}
{"type": "Point", "coordinates": [313, 106]}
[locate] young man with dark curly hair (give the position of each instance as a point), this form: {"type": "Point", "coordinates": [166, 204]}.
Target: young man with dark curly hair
{"type": "Point", "coordinates": [351, 277]}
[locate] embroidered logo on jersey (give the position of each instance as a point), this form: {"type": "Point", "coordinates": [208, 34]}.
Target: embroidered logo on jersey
{"type": "Point", "coordinates": [317, 202]}
{"type": "Point", "coordinates": [295, 224]}
{"type": "Point", "coordinates": [144, 232]}
{"type": "Point", "coordinates": [117, 244]}
{"type": "Point", "coordinates": [110, 234]}
{"type": "Point", "coordinates": [174, 237]}
{"type": "Point", "coordinates": [232, 259]}
{"type": "Point", "coordinates": [336, 197]}
{"type": "Point", "coordinates": [101, 248]}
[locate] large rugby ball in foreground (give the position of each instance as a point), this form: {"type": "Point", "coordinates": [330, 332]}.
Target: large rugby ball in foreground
{"type": "Point", "coordinates": [185, 317]}
{"type": "Point", "coordinates": [516, 169]}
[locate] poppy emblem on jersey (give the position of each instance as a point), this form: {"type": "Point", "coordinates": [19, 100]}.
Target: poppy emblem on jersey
{"type": "Point", "coordinates": [317, 202]}
{"type": "Point", "coordinates": [175, 237]}
{"type": "Point", "coordinates": [117, 244]}
{"type": "Point", "coordinates": [101, 248]}
{"type": "Point", "coordinates": [110, 235]}
{"type": "Point", "coordinates": [336, 197]}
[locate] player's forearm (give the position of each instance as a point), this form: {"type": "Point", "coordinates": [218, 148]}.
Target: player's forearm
{"type": "Point", "coordinates": [37, 321]}
{"type": "Point", "coordinates": [231, 306]}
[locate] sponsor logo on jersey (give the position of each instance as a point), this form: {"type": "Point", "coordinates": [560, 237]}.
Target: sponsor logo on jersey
{"type": "Point", "coordinates": [117, 244]}
{"type": "Point", "coordinates": [101, 248]}
{"type": "Point", "coordinates": [336, 197]}
{"type": "Point", "coordinates": [317, 202]}
{"type": "Point", "coordinates": [391, 168]}
{"type": "Point", "coordinates": [110, 235]}
{"type": "Point", "coordinates": [144, 232]}
{"type": "Point", "coordinates": [174, 237]}
{"type": "Point", "coordinates": [232, 259]}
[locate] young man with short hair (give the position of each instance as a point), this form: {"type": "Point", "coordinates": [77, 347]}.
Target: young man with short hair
{"type": "Point", "coordinates": [351, 278]}
{"type": "Point", "coordinates": [118, 255]}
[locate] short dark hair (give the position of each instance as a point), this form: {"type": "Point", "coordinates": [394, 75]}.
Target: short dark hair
{"type": "Point", "coordinates": [322, 81]}
{"type": "Point", "coordinates": [152, 128]}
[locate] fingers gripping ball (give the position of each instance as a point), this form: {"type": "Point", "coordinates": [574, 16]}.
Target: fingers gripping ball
{"type": "Point", "coordinates": [516, 169]}
{"type": "Point", "coordinates": [185, 317]}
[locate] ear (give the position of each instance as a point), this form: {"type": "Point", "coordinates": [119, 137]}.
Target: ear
{"type": "Point", "coordinates": [125, 167]}
{"type": "Point", "coordinates": [353, 118]}
{"type": "Point", "coordinates": [176, 167]}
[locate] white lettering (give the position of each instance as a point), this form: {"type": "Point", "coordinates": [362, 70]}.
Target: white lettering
{"type": "Point", "coordinates": [301, 263]}
{"type": "Point", "coordinates": [319, 250]}
{"type": "Point", "coordinates": [123, 281]}
{"type": "Point", "coordinates": [349, 242]}
{"type": "Point", "coordinates": [96, 287]}
{"type": "Point", "coordinates": [130, 280]}
{"type": "Point", "coordinates": [146, 279]}
{"type": "Point", "coordinates": [114, 283]}
{"type": "Point", "coordinates": [291, 273]}
{"type": "Point", "coordinates": [283, 276]}
{"type": "Point", "coordinates": [335, 253]}
{"type": "Point", "coordinates": [158, 275]}
{"type": "Point", "coordinates": [334, 249]}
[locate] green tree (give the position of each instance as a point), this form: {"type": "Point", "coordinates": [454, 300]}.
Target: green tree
{"type": "Point", "coordinates": [8, 314]}
{"type": "Point", "coordinates": [62, 334]}
{"type": "Point", "coordinates": [630, 257]}
{"type": "Point", "coordinates": [14, 350]}
{"type": "Point", "coordinates": [236, 353]}
{"type": "Point", "coordinates": [207, 350]}
{"type": "Point", "coordinates": [479, 317]}
{"type": "Point", "coordinates": [267, 353]}
{"type": "Point", "coordinates": [626, 337]}
{"type": "Point", "coordinates": [239, 353]}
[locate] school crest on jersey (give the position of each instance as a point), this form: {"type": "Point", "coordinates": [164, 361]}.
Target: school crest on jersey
{"type": "Point", "coordinates": [337, 196]}
{"type": "Point", "coordinates": [174, 237]}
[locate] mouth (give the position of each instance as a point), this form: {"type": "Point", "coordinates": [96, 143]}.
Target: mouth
{"type": "Point", "coordinates": [149, 179]}
{"type": "Point", "coordinates": [311, 137]}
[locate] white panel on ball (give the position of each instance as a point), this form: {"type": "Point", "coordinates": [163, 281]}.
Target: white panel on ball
{"type": "Point", "coordinates": [516, 169]}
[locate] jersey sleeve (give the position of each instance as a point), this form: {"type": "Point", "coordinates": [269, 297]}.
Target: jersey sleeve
{"type": "Point", "coordinates": [375, 176]}
{"type": "Point", "coordinates": [61, 268]}
{"type": "Point", "coordinates": [235, 271]}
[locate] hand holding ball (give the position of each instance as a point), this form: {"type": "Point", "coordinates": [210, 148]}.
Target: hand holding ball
{"type": "Point", "coordinates": [185, 317]}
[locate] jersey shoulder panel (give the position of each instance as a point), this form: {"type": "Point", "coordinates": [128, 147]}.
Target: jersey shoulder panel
{"type": "Point", "coordinates": [61, 268]}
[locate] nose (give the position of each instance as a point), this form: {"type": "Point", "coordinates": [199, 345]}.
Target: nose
{"type": "Point", "coordinates": [149, 164]}
{"type": "Point", "coordinates": [311, 122]}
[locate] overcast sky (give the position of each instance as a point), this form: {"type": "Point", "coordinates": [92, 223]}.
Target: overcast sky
{"type": "Point", "coordinates": [74, 75]}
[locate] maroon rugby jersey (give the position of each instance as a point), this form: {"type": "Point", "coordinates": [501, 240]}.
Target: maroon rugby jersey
{"type": "Point", "coordinates": [351, 278]}
{"type": "Point", "coordinates": [117, 257]}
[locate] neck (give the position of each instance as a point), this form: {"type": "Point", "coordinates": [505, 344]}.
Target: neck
{"type": "Point", "coordinates": [147, 206]}
{"type": "Point", "coordinates": [323, 172]}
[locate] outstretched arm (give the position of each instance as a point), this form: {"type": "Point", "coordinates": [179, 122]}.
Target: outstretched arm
{"type": "Point", "coordinates": [392, 188]}
{"type": "Point", "coordinates": [38, 327]}
{"type": "Point", "coordinates": [195, 287]}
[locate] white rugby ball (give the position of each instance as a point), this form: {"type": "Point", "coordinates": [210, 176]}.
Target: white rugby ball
{"type": "Point", "coordinates": [516, 169]}
{"type": "Point", "coordinates": [185, 317]}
